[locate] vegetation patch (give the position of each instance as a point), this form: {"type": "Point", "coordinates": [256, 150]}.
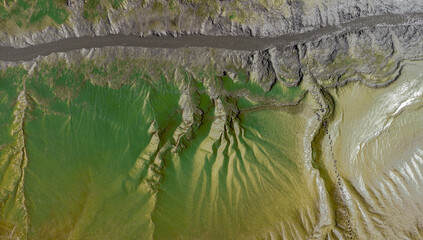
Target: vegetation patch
{"type": "Point", "coordinates": [31, 13]}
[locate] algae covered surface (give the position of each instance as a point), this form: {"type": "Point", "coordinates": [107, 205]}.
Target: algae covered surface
{"type": "Point", "coordinates": [130, 143]}
{"type": "Point", "coordinates": [94, 152]}
{"type": "Point", "coordinates": [268, 119]}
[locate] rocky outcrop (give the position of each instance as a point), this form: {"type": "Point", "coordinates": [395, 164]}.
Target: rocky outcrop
{"type": "Point", "coordinates": [373, 56]}
{"type": "Point", "coordinates": [209, 91]}
{"type": "Point", "coordinates": [265, 19]}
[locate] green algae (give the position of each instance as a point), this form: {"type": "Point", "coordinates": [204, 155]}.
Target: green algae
{"type": "Point", "coordinates": [91, 146]}
{"type": "Point", "coordinates": [9, 82]}
{"type": "Point", "coordinates": [255, 95]}
{"type": "Point", "coordinates": [48, 8]}
{"type": "Point", "coordinates": [28, 14]}
{"type": "Point", "coordinates": [86, 144]}
{"type": "Point", "coordinates": [13, 155]}
{"type": "Point", "coordinates": [106, 160]}
{"type": "Point", "coordinates": [237, 173]}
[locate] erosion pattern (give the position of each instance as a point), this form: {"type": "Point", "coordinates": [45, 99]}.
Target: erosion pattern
{"type": "Point", "coordinates": [28, 22]}
{"type": "Point", "coordinates": [314, 140]}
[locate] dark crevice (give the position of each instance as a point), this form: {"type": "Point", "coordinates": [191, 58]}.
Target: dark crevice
{"type": "Point", "coordinates": [335, 188]}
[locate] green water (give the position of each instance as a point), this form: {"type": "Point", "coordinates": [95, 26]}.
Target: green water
{"type": "Point", "coordinates": [103, 160]}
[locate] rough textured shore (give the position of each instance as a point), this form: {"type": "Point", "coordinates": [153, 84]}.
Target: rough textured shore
{"type": "Point", "coordinates": [221, 91]}
{"type": "Point", "coordinates": [372, 56]}
{"type": "Point", "coordinates": [317, 139]}
{"type": "Point", "coordinates": [261, 19]}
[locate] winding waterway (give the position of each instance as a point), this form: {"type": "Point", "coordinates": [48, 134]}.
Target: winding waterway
{"type": "Point", "coordinates": [244, 43]}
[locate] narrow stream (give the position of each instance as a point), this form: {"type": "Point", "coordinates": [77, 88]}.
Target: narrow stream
{"type": "Point", "coordinates": [324, 171]}
{"type": "Point", "coordinates": [243, 43]}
